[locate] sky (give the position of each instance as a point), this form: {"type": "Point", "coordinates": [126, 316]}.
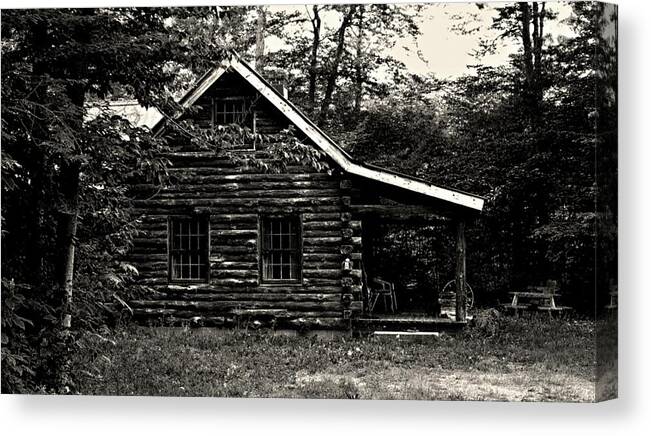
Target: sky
{"type": "Point", "coordinates": [444, 52]}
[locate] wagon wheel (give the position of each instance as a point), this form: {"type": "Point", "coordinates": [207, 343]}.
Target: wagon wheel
{"type": "Point", "coordinates": [451, 287]}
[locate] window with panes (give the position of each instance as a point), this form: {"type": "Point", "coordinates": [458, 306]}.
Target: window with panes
{"type": "Point", "coordinates": [281, 249]}
{"type": "Point", "coordinates": [189, 240]}
{"type": "Point", "coordinates": [232, 111]}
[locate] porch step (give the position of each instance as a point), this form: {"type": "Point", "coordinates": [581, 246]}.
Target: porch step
{"type": "Point", "coordinates": [406, 324]}
{"type": "Point", "coordinates": [406, 336]}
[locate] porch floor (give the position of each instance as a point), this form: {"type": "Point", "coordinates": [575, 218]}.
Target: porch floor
{"type": "Point", "coordinates": [405, 322]}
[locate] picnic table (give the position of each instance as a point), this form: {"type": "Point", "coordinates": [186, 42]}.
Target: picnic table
{"type": "Point", "coordinates": [541, 298]}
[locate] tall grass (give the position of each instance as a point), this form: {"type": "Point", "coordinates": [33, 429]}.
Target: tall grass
{"type": "Point", "coordinates": [538, 358]}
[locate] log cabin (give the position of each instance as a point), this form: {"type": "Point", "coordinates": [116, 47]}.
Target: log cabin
{"type": "Point", "coordinates": [228, 244]}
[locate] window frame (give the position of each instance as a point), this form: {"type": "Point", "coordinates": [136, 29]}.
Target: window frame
{"type": "Point", "coordinates": [203, 278]}
{"type": "Point", "coordinates": [249, 110]}
{"type": "Point", "coordinates": [247, 105]}
{"type": "Point", "coordinates": [298, 220]}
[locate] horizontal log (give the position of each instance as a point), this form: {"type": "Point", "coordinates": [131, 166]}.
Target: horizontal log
{"type": "Point", "coordinates": [228, 250]}
{"type": "Point", "coordinates": [235, 241]}
{"type": "Point", "coordinates": [331, 257]}
{"type": "Point", "coordinates": [322, 233]}
{"type": "Point", "coordinates": [234, 225]}
{"type": "Point", "coordinates": [250, 256]}
{"type": "Point", "coordinates": [234, 265]}
{"type": "Point", "coordinates": [321, 282]}
{"type": "Point", "coordinates": [322, 225]}
{"type": "Point", "coordinates": [246, 185]}
{"type": "Point", "coordinates": [211, 177]}
{"type": "Point", "coordinates": [234, 274]}
{"type": "Point", "coordinates": [233, 218]}
{"type": "Point", "coordinates": [234, 233]}
{"type": "Point", "coordinates": [211, 288]}
{"type": "Point", "coordinates": [234, 202]}
{"type": "Point", "coordinates": [309, 217]}
{"type": "Point", "coordinates": [322, 241]}
{"type": "Point", "coordinates": [320, 265]}
{"type": "Point", "coordinates": [159, 279]}
{"type": "Point", "coordinates": [234, 209]}
{"type": "Point", "coordinates": [234, 304]}
{"type": "Point", "coordinates": [322, 273]}
{"type": "Point", "coordinates": [215, 282]}
{"type": "Point", "coordinates": [242, 269]}
{"type": "Point", "coordinates": [216, 271]}
{"type": "Point", "coordinates": [275, 193]}
{"type": "Point", "coordinates": [214, 168]}
{"type": "Point", "coordinates": [321, 249]}
{"type": "Point", "coordinates": [245, 296]}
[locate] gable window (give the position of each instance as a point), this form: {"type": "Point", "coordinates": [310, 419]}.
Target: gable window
{"type": "Point", "coordinates": [281, 249]}
{"type": "Point", "coordinates": [189, 248]}
{"type": "Point", "coordinates": [235, 110]}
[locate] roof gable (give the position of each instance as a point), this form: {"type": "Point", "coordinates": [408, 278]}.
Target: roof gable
{"type": "Point", "coordinates": [326, 144]}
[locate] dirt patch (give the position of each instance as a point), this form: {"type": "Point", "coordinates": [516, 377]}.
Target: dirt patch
{"type": "Point", "coordinates": [420, 383]}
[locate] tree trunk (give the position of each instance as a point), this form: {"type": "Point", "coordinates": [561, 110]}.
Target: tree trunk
{"type": "Point", "coordinates": [359, 78]}
{"type": "Point", "coordinates": [67, 234]}
{"type": "Point", "coordinates": [260, 30]}
{"type": "Point", "coordinates": [539, 33]}
{"type": "Point", "coordinates": [525, 18]}
{"type": "Point", "coordinates": [333, 73]}
{"type": "Point", "coordinates": [531, 15]}
{"type": "Point", "coordinates": [316, 40]}
{"type": "Point", "coordinates": [69, 187]}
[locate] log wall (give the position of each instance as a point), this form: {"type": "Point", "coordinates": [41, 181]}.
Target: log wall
{"type": "Point", "coordinates": [235, 199]}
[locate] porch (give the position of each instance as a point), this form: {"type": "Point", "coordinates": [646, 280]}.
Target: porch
{"type": "Point", "coordinates": [413, 249]}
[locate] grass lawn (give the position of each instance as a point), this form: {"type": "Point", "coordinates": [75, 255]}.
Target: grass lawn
{"type": "Point", "coordinates": [524, 360]}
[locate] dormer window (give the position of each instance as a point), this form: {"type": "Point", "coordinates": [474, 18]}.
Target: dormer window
{"type": "Point", "coordinates": [233, 110]}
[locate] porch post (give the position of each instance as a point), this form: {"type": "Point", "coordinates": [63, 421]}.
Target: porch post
{"type": "Point", "coordinates": [461, 272]}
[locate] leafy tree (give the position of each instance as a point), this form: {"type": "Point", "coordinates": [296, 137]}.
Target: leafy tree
{"type": "Point", "coordinates": [66, 206]}
{"type": "Point", "coordinates": [337, 54]}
